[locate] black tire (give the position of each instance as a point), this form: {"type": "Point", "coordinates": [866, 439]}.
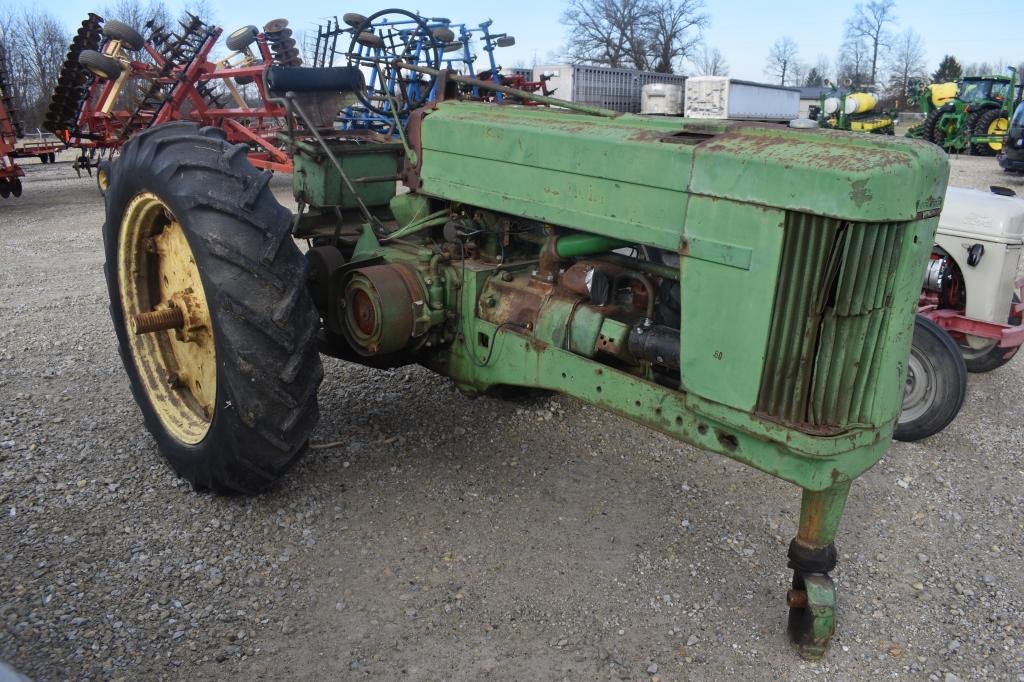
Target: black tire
{"type": "Point", "coordinates": [995, 357]}
{"type": "Point", "coordinates": [5, 188]}
{"type": "Point", "coordinates": [936, 383]}
{"type": "Point", "coordinates": [981, 125]}
{"type": "Point", "coordinates": [44, 158]}
{"type": "Point", "coordinates": [15, 185]}
{"type": "Point", "coordinates": [116, 30]}
{"type": "Point", "coordinates": [241, 38]}
{"type": "Point", "coordinates": [53, 157]}
{"type": "Point", "coordinates": [254, 277]}
{"type": "Point", "coordinates": [971, 122]}
{"type": "Point", "coordinates": [100, 64]}
{"type": "Point", "coordinates": [930, 121]}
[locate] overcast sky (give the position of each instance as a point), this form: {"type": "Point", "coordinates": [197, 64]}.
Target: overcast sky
{"type": "Point", "coordinates": [743, 31]}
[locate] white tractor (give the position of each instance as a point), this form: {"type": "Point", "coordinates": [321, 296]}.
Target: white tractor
{"type": "Point", "coordinates": [970, 313]}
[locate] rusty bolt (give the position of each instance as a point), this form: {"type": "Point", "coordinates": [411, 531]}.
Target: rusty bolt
{"type": "Point", "coordinates": [797, 599]}
{"type": "Point", "coordinates": [506, 276]}
{"type": "Point", "coordinates": [157, 320]}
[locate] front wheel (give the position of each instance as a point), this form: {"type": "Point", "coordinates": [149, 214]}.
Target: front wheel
{"type": "Point", "coordinates": [208, 298]}
{"type": "Point", "coordinates": [936, 383]}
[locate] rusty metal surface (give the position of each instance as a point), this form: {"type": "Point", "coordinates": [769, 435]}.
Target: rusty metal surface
{"type": "Point", "coordinates": [157, 320]}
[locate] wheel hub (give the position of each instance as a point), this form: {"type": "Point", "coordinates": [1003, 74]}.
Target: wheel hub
{"type": "Point", "coordinates": [919, 391]}
{"type": "Point", "coordinates": [165, 308]}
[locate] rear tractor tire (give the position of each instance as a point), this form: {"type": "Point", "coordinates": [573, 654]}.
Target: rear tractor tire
{"type": "Point", "coordinates": [208, 295]}
{"type": "Point", "coordinates": [930, 121]}
{"type": "Point", "coordinates": [936, 383]}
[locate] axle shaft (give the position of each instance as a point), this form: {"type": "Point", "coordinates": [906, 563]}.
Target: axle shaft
{"type": "Point", "coordinates": [157, 321]}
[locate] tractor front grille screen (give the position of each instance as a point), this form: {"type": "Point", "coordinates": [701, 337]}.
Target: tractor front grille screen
{"type": "Point", "coordinates": [831, 313]}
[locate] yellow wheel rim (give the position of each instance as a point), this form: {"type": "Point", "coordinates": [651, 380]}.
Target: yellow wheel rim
{"type": "Point", "coordinates": [998, 127]}
{"type": "Point", "coordinates": [157, 271]}
{"type": "Point", "coordinates": [102, 180]}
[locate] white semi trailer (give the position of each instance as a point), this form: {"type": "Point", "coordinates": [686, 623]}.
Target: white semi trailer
{"type": "Point", "coordinates": [721, 97]}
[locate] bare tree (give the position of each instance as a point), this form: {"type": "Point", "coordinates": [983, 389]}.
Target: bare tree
{"type": "Point", "coordinates": [600, 30]}
{"type": "Point", "coordinates": [869, 24]}
{"type": "Point", "coordinates": [204, 10]}
{"type": "Point", "coordinates": [34, 42]}
{"type": "Point", "coordinates": [853, 55]}
{"type": "Point", "coordinates": [823, 67]}
{"type": "Point", "coordinates": [781, 60]}
{"type": "Point", "coordinates": [136, 13]}
{"type": "Point", "coordinates": [651, 35]}
{"type": "Point", "coordinates": [996, 68]}
{"type": "Point", "coordinates": [906, 63]}
{"type": "Point", "coordinates": [674, 32]}
{"type": "Point", "coordinates": [708, 61]}
{"type": "Point", "coordinates": [798, 73]}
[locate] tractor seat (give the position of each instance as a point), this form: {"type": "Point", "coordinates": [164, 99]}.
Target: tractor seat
{"type": "Point", "coordinates": [282, 79]}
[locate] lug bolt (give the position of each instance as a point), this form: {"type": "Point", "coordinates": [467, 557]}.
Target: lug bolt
{"type": "Point", "coordinates": [796, 599]}
{"type": "Point", "coordinates": [157, 321]}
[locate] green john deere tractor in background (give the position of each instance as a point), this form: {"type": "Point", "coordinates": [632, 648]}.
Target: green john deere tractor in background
{"type": "Point", "coordinates": [972, 120]}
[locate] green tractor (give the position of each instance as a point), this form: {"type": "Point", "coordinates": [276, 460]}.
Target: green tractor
{"type": "Point", "coordinates": [975, 119]}
{"type": "Point", "coordinates": [748, 289]}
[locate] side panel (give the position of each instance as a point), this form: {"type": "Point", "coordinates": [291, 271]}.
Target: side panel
{"type": "Point", "coordinates": [751, 101]}
{"type": "Point", "coordinates": [728, 287]}
{"type": "Point", "coordinates": [599, 205]}
{"type": "Point", "coordinates": [569, 171]}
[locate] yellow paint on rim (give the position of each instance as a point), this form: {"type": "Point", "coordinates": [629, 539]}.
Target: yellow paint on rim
{"type": "Point", "coordinates": [177, 368]}
{"type": "Point", "coordinates": [102, 180]}
{"type": "Point", "coordinates": [998, 127]}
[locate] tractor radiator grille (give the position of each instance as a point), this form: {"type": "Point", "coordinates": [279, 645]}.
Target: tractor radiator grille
{"type": "Point", "coordinates": [830, 317]}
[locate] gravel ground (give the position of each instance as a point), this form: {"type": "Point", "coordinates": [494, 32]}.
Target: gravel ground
{"type": "Point", "coordinates": [450, 538]}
